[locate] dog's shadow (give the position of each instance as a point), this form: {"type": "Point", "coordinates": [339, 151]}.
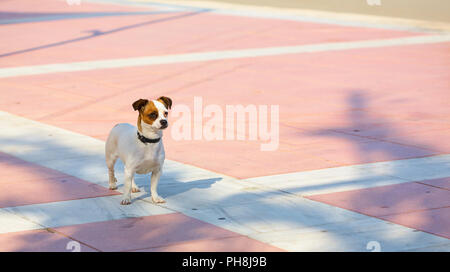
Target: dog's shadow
{"type": "Point", "coordinates": [169, 188]}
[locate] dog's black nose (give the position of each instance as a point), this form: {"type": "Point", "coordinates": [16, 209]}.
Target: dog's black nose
{"type": "Point", "coordinates": [164, 123]}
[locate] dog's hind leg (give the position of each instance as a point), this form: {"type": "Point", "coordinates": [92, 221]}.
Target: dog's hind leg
{"type": "Point", "coordinates": [128, 179]}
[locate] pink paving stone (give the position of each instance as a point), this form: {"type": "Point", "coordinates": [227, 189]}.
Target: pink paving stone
{"type": "Point", "coordinates": [388, 200]}
{"type": "Point", "coordinates": [239, 162]}
{"type": "Point", "coordinates": [443, 183]}
{"type": "Point", "coordinates": [153, 231]}
{"type": "Point", "coordinates": [435, 221]}
{"type": "Point", "coordinates": [93, 128]}
{"type": "Point", "coordinates": [433, 136]}
{"type": "Point", "coordinates": [233, 244]}
{"type": "Point", "coordinates": [179, 32]}
{"type": "Point", "coordinates": [36, 241]}
{"type": "Point", "coordinates": [36, 101]}
{"type": "Point", "coordinates": [16, 169]}
{"type": "Point", "coordinates": [374, 151]}
{"type": "Point", "coordinates": [415, 205]}
{"type": "Point", "coordinates": [28, 8]}
{"type": "Point", "coordinates": [23, 183]}
{"type": "Point", "coordinates": [83, 87]}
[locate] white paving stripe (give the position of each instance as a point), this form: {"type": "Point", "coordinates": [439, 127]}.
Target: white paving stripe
{"type": "Point", "coordinates": [246, 207]}
{"type": "Point", "coordinates": [216, 55]}
{"type": "Point", "coordinates": [80, 211]}
{"type": "Point", "coordinates": [338, 179]}
{"type": "Point", "coordinates": [354, 235]}
{"type": "Point", "coordinates": [11, 222]}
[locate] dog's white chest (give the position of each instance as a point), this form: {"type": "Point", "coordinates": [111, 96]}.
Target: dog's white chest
{"type": "Point", "coordinates": [149, 158]}
{"type": "Point", "coordinates": [146, 166]}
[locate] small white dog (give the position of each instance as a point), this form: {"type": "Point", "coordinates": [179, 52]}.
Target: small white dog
{"type": "Point", "coordinates": [140, 149]}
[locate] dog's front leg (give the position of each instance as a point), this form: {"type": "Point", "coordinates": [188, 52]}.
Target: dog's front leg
{"type": "Point", "coordinates": [128, 181]}
{"type": "Point", "coordinates": [134, 187]}
{"type": "Point", "coordinates": [156, 174]}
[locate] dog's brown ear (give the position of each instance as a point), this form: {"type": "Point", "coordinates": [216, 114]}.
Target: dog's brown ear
{"type": "Point", "coordinates": [166, 101]}
{"type": "Point", "coordinates": [137, 105]}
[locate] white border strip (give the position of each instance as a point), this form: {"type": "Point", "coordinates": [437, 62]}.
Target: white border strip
{"type": "Point", "coordinates": [216, 55]}
{"type": "Point", "coordinates": [74, 212]}
{"type": "Point", "coordinates": [353, 177]}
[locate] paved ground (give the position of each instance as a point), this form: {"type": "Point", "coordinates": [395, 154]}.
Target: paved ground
{"type": "Point", "coordinates": [364, 122]}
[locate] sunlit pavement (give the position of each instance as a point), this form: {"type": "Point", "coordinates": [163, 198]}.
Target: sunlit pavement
{"type": "Point", "coordinates": [362, 158]}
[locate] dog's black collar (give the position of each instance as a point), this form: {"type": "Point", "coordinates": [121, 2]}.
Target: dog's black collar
{"type": "Point", "coordinates": [146, 140]}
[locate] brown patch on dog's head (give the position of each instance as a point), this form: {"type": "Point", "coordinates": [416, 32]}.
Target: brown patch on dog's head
{"type": "Point", "coordinates": [147, 112]}
{"type": "Point", "coordinates": [166, 101]}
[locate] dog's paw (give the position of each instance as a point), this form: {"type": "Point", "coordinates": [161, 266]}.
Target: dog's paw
{"type": "Point", "coordinates": [158, 199]}
{"type": "Point", "coordinates": [113, 187]}
{"type": "Point", "coordinates": [125, 201]}
{"type": "Point", "coordinates": [135, 190]}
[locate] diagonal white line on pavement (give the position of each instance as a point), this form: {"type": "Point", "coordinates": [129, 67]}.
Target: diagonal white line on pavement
{"type": "Point", "coordinates": [216, 55]}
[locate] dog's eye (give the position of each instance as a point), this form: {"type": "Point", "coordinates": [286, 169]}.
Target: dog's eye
{"type": "Point", "coordinates": [153, 115]}
{"type": "Point", "coordinates": [165, 114]}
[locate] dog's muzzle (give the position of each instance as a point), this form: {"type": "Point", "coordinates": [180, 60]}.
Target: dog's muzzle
{"type": "Point", "coordinates": [164, 124]}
